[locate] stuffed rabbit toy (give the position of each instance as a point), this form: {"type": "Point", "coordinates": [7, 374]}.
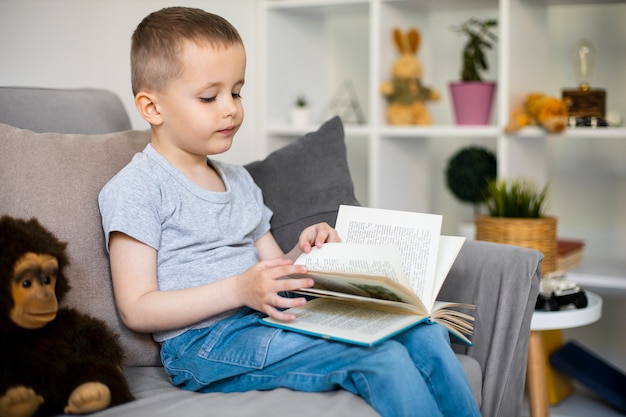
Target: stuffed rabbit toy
{"type": "Point", "coordinates": [405, 94]}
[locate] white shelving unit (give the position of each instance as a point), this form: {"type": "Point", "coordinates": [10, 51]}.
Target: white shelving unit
{"type": "Point", "coordinates": [312, 47]}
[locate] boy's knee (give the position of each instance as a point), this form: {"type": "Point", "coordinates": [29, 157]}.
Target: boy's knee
{"type": "Point", "coordinates": [392, 356]}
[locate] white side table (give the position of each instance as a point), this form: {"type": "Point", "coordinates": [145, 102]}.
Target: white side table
{"type": "Point", "coordinates": [552, 320]}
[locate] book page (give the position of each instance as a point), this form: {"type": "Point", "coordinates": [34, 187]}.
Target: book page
{"type": "Point", "coordinates": [458, 323]}
{"type": "Point", "coordinates": [449, 247]}
{"type": "Point", "coordinates": [347, 258]}
{"type": "Point", "coordinates": [367, 271]}
{"type": "Point", "coordinates": [416, 234]}
{"type": "Point", "coordinates": [399, 302]}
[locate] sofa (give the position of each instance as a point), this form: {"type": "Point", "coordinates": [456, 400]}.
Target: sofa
{"type": "Point", "coordinates": [58, 147]}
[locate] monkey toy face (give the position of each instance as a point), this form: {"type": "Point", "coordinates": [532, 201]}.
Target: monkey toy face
{"type": "Point", "coordinates": [32, 288]}
{"type": "Point", "coordinates": [32, 279]}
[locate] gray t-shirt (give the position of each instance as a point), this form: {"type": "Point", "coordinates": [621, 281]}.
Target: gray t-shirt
{"type": "Point", "coordinates": [200, 236]}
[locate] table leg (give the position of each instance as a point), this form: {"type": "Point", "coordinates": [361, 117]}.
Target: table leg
{"type": "Point", "coordinates": [536, 377]}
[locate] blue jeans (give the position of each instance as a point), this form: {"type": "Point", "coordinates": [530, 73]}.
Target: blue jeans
{"type": "Point", "coordinates": [414, 373]}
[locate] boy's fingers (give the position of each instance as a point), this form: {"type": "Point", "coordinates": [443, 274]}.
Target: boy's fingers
{"type": "Point", "coordinates": [284, 303]}
{"type": "Point", "coordinates": [280, 315]}
{"type": "Point", "coordinates": [276, 262]}
{"type": "Point", "coordinates": [292, 284]}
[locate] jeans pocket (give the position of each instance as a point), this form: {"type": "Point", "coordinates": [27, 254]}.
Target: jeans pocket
{"type": "Point", "coordinates": [240, 340]}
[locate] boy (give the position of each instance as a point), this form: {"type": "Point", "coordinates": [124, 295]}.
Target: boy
{"type": "Point", "coordinates": [192, 258]}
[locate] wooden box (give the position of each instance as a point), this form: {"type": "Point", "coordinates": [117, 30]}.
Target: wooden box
{"type": "Point", "coordinates": [589, 103]}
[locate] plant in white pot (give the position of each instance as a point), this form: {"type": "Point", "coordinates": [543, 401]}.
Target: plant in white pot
{"type": "Point", "coordinates": [472, 97]}
{"type": "Point", "coordinates": [300, 113]}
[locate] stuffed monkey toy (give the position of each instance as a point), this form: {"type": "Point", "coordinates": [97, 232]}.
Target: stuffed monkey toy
{"type": "Point", "coordinates": [406, 95]}
{"type": "Point", "coordinates": [53, 359]}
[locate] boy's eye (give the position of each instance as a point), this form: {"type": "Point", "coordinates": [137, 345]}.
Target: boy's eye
{"type": "Point", "coordinates": [236, 96]}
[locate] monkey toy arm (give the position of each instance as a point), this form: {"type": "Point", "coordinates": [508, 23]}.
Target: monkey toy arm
{"type": "Point", "coordinates": [98, 355]}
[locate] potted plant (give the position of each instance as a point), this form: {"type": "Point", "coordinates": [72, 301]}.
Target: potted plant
{"type": "Point", "coordinates": [516, 198]}
{"type": "Point", "coordinates": [517, 217]}
{"type": "Point", "coordinates": [472, 97]}
{"type": "Point", "coordinates": [467, 176]}
{"type": "Point", "coordinates": [300, 113]}
{"type": "Point", "coordinates": [469, 172]}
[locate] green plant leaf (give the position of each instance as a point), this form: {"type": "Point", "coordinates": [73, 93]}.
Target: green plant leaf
{"type": "Point", "coordinates": [480, 37]}
{"type": "Point", "coordinates": [516, 198]}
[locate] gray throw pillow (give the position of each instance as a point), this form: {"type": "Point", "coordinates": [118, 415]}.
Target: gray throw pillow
{"type": "Point", "coordinates": [304, 182]}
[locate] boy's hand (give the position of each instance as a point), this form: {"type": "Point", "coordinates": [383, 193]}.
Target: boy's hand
{"type": "Point", "coordinates": [317, 235]}
{"type": "Point", "coordinates": [259, 287]}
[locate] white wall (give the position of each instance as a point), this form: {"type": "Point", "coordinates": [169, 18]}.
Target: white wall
{"type": "Point", "coordinates": [86, 43]}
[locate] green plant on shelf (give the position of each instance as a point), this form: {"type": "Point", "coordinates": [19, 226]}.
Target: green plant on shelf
{"type": "Point", "coordinates": [468, 173]}
{"type": "Point", "coordinates": [301, 101]}
{"type": "Point", "coordinates": [517, 198]}
{"type": "Point", "coordinates": [479, 38]}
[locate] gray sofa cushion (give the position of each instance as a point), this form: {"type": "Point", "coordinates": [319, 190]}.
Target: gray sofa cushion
{"type": "Point", "coordinates": [157, 397]}
{"type": "Point", "coordinates": [305, 182]}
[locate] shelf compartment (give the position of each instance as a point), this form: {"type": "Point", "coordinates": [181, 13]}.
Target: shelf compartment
{"type": "Point", "coordinates": [320, 45]}
{"type": "Point", "coordinates": [440, 50]}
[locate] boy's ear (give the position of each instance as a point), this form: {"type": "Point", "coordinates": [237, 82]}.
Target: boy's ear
{"type": "Point", "coordinates": [146, 105]}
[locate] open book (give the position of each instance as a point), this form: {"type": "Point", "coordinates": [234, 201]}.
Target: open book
{"type": "Point", "coordinates": [382, 279]}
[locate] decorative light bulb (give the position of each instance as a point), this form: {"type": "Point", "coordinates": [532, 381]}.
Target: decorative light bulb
{"type": "Point", "coordinates": [584, 61]}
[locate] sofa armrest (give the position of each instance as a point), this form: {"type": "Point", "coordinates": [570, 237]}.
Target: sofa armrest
{"type": "Point", "coordinates": [503, 282]}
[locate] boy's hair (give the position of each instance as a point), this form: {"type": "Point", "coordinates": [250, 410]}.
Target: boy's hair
{"type": "Point", "coordinates": [157, 43]}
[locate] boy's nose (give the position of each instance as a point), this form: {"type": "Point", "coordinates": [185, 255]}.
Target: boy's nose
{"type": "Point", "coordinates": [229, 106]}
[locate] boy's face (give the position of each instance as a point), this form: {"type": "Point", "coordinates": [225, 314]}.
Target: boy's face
{"type": "Point", "coordinates": [201, 109]}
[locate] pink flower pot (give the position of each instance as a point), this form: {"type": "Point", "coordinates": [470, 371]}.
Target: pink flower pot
{"type": "Point", "coordinates": [472, 101]}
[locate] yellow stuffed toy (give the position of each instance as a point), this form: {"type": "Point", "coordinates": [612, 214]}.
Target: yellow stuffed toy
{"type": "Point", "coordinates": [405, 94]}
{"type": "Point", "coordinates": [547, 112]}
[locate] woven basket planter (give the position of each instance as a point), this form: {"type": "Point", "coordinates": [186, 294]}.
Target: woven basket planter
{"type": "Point", "coordinates": [539, 234]}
